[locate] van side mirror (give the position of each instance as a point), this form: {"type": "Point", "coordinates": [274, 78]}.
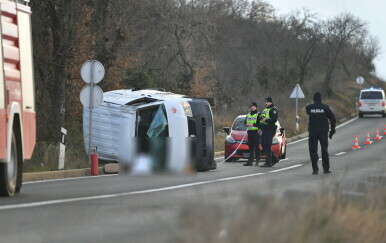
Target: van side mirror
{"type": "Point", "coordinates": [226, 130]}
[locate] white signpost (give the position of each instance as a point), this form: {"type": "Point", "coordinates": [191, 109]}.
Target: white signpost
{"type": "Point", "coordinates": [360, 80]}
{"type": "Point", "coordinates": [92, 71]}
{"type": "Point", "coordinates": [297, 93]}
{"type": "Point", "coordinates": [91, 96]}
{"type": "Point", "coordinates": [97, 96]}
{"type": "Point", "coordinates": [62, 148]}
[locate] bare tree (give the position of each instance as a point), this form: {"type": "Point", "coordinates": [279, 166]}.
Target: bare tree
{"type": "Point", "coordinates": [306, 31]}
{"type": "Point", "coordinates": [338, 33]}
{"type": "Point", "coordinates": [56, 20]}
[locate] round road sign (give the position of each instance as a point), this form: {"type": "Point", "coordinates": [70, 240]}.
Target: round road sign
{"type": "Point", "coordinates": [98, 71]}
{"type": "Point", "coordinates": [360, 80]}
{"type": "Point", "coordinates": [97, 96]}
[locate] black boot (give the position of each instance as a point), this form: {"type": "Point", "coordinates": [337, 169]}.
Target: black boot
{"type": "Point", "coordinates": [257, 162]}
{"type": "Point", "coordinates": [249, 163]}
{"type": "Point", "coordinates": [266, 165]}
{"type": "Point", "coordinates": [275, 160]}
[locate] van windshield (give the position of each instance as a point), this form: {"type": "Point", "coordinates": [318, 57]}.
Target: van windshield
{"type": "Point", "coordinates": [152, 122]}
{"type": "Point", "coordinates": [239, 124]}
{"type": "Point", "coordinates": [371, 95]}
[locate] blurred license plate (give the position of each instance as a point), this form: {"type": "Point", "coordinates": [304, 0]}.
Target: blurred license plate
{"type": "Point", "coordinates": [371, 104]}
{"type": "Point", "coordinates": [246, 155]}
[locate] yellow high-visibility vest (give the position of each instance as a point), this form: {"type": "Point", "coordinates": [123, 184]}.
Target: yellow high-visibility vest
{"type": "Point", "coordinates": [265, 114]}
{"type": "Point", "coordinates": [252, 119]}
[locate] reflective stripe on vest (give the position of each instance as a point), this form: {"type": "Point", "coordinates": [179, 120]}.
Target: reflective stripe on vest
{"type": "Point", "coordinates": [252, 119]}
{"type": "Point", "coordinates": [265, 114]}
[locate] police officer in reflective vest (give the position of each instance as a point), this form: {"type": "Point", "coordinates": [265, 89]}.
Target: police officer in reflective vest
{"type": "Point", "coordinates": [318, 127]}
{"type": "Point", "coordinates": [252, 118]}
{"type": "Point", "coordinates": [268, 130]}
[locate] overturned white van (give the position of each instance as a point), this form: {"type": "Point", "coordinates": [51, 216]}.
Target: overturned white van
{"type": "Point", "coordinates": [174, 129]}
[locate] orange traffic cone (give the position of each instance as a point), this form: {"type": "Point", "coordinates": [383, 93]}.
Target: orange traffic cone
{"type": "Point", "coordinates": [356, 145]}
{"type": "Point", "coordinates": [368, 141]}
{"type": "Point", "coordinates": [377, 137]}
{"type": "Point", "coordinates": [384, 130]}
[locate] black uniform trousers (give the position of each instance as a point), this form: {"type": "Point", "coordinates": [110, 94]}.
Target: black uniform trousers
{"type": "Point", "coordinates": [266, 142]}
{"type": "Point", "coordinates": [322, 137]}
{"type": "Point", "coordinates": [253, 144]}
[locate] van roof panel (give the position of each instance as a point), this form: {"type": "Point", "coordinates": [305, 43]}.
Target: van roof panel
{"type": "Point", "coordinates": [129, 97]}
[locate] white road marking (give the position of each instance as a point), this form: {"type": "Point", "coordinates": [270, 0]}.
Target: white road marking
{"type": "Point", "coordinates": [69, 200]}
{"type": "Point", "coordinates": [347, 122]}
{"type": "Point", "coordinates": [341, 153]}
{"type": "Point", "coordinates": [238, 177]}
{"type": "Point", "coordinates": [68, 179]}
{"type": "Point", "coordinates": [298, 141]}
{"type": "Point", "coordinates": [286, 168]}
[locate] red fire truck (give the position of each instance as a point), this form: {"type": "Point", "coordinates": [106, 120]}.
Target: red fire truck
{"type": "Point", "coordinates": [17, 99]}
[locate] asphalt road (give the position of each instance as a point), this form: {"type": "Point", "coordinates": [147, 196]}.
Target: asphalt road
{"type": "Point", "coordinates": [151, 209]}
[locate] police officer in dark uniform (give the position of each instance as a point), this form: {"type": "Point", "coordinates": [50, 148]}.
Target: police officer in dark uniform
{"type": "Point", "coordinates": [268, 128]}
{"type": "Point", "coordinates": [318, 128]}
{"type": "Point", "coordinates": [252, 118]}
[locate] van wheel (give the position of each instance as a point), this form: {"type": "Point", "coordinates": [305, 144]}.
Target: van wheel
{"type": "Point", "coordinates": [360, 115]}
{"type": "Point", "coordinates": [214, 165]}
{"type": "Point", "coordinates": [11, 173]}
{"type": "Point", "coordinates": [202, 168]}
{"type": "Point", "coordinates": [383, 114]}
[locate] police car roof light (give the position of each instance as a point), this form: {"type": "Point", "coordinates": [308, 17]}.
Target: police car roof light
{"type": "Point", "coordinates": [372, 88]}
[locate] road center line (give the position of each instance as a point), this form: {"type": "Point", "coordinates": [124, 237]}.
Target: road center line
{"type": "Point", "coordinates": [239, 177]}
{"type": "Point", "coordinates": [298, 141]}
{"type": "Point", "coordinates": [69, 200]}
{"type": "Point", "coordinates": [286, 168]}
{"type": "Point", "coordinates": [341, 153]}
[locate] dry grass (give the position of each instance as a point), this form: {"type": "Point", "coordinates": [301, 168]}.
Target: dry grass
{"type": "Point", "coordinates": [327, 217]}
{"type": "Point", "coordinates": [224, 119]}
{"type": "Point", "coordinates": [46, 158]}
{"type": "Point", "coordinates": [219, 140]}
{"type": "Point", "coordinates": [46, 155]}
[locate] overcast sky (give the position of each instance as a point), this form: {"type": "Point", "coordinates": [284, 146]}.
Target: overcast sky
{"type": "Point", "coordinates": [371, 11]}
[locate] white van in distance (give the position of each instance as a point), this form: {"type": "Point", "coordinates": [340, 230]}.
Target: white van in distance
{"type": "Point", "coordinates": [372, 101]}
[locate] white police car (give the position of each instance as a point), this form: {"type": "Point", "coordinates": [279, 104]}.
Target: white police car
{"type": "Point", "coordinates": [372, 101]}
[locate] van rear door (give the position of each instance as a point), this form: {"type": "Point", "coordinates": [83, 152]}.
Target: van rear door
{"type": "Point", "coordinates": [372, 100]}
